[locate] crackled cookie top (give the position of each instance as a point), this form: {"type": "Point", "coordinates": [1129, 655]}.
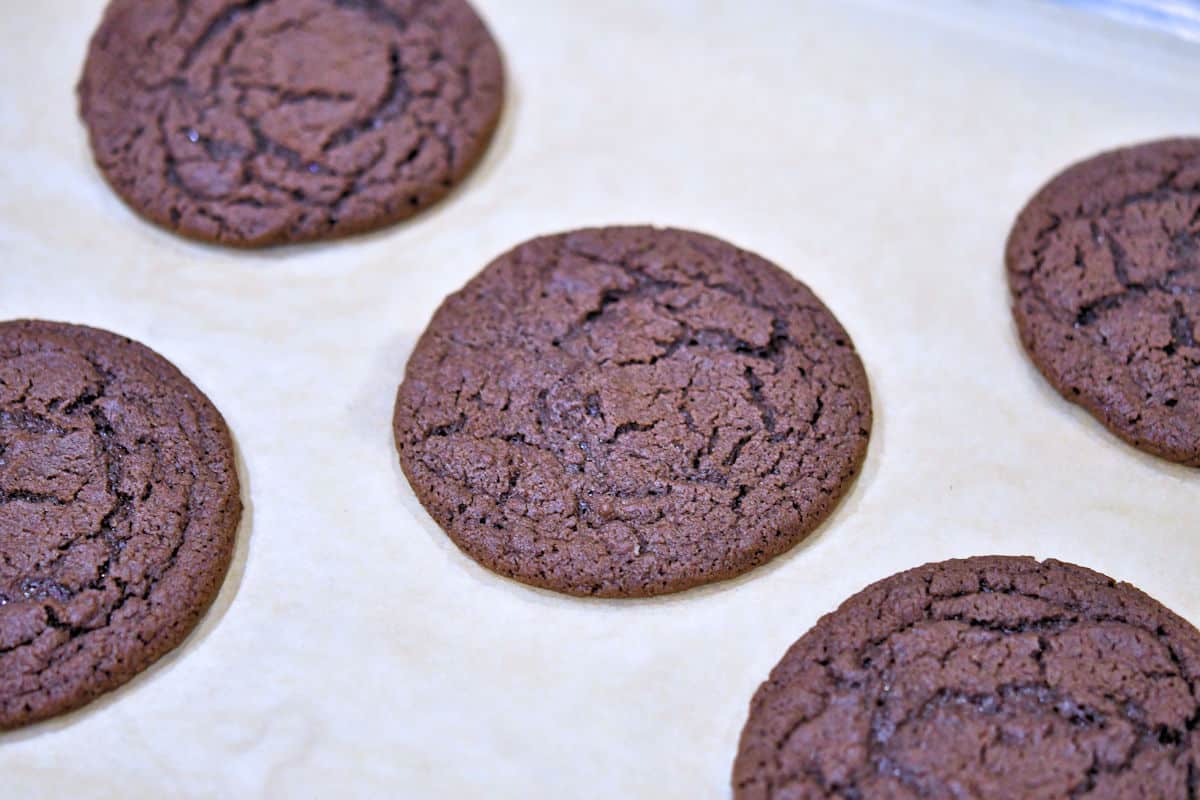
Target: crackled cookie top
{"type": "Point", "coordinates": [984, 678]}
{"type": "Point", "coordinates": [256, 122]}
{"type": "Point", "coordinates": [118, 507]}
{"type": "Point", "coordinates": [631, 411]}
{"type": "Point", "coordinates": [1104, 267]}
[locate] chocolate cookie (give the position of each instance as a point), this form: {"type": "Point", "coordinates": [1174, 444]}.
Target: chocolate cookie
{"type": "Point", "coordinates": [631, 411]}
{"type": "Point", "coordinates": [118, 508]}
{"type": "Point", "coordinates": [1104, 268]}
{"type": "Point", "coordinates": [985, 678]}
{"type": "Point", "coordinates": [265, 122]}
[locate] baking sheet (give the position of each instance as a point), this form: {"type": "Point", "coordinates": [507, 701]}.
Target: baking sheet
{"type": "Point", "coordinates": [877, 150]}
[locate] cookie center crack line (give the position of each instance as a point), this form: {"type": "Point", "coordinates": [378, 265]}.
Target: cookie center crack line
{"type": "Point", "coordinates": [219, 25]}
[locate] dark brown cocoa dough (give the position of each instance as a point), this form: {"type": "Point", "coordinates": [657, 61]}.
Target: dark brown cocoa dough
{"type": "Point", "coordinates": [630, 411]}
{"type": "Point", "coordinates": [118, 509]}
{"type": "Point", "coordinates": [259, 122]}
{"type": "Point", "coordinates": [1104, 269]}
{"type": "Point", "coordinates": [987, 678]}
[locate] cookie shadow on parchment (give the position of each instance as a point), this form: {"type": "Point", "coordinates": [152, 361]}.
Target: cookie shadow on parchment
{"type": "Point", "coordinates": [369, 406]}
{"type": "Point", "coordinates": [208, 623]}
{"type": "Point", "coordinates": [372, 406]}
{"type": "Point", "coordinates": [371, 411]}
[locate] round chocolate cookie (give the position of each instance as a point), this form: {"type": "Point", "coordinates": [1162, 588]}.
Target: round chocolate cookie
{"type": "Point", "coordinates": [1104, 268]}
{"type": "Point", "coordinates": [266, 122]}
{"type": "Point", "coordinates": [118, 507]}
{"type": "Point", "coordinates": [984, 678]}
{"type": "Point", "coordinates": [630, 411]}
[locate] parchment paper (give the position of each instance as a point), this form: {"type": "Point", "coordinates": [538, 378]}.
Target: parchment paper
{"type": "Point", "coordinates": [877, 150]}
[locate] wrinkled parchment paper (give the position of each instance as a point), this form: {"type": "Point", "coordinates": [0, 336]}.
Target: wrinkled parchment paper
{"type": "Point", "coordinates": [877, 150]}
